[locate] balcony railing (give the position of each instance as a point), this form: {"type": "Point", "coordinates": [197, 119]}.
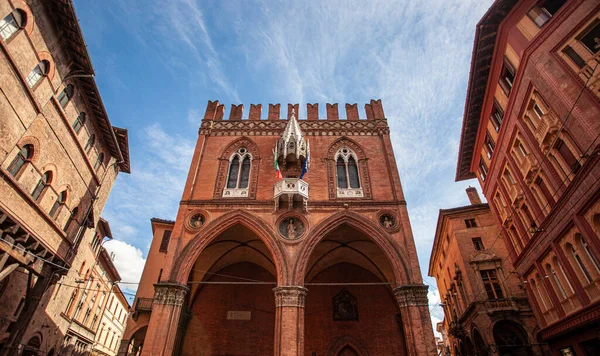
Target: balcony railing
{"type": "Point", "coordinates": [144, 304]}
{"type": "Point", "coordinates": [294, 189]}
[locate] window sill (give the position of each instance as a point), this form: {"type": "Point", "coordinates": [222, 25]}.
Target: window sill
{"type": "Point", "coordinates": [235, 193]}
{"type": "Point", "coordinates": [350, 193]}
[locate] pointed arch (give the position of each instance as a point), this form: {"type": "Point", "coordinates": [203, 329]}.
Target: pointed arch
{"type": "Point", "coordinates": [359, 175]}
{"type": "Point", "coordinates": [184, 263]}
{"type": "Point", "coordinates": [344, 342]}
{"type": "Point", "coordinates": [251, 170]}
{"type": "Point", "coordinates": [395, 256]}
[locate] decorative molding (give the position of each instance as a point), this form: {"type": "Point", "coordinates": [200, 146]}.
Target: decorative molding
{"type": "Point", "coordinates": [300, 224]}
{"type": "Point", "coordinates": [170, 294]}
{"type": "Point", "coordinates": [290, 296]}
{"type": "Point", "coordinates": [363, 171]}
{"type": "Point", "coordinates": [222, 171]}
{"type": "Point", "coordinates": [345, 307]}
{"type": "Point", "coordinates": [412, 295]}
{"type": "Point", "coordinates": [195, 219]}
{"type": "Point", "coordinates": [310, 128]}
{"type": "Point", "coordinates": [392, 224]}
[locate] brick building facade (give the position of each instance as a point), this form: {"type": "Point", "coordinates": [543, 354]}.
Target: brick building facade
{"type": "Point", "coordinates": [59, 157]}
{"type": "Point", "coordinates": [254, 264]}
{"type": "Point", "coordinates": [486, 311]}
{"type": "Point", "coordinates": [531, 136]}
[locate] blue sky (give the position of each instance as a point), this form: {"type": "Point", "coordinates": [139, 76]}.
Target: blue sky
{"type": "Point", "coordinates": [158, 62]}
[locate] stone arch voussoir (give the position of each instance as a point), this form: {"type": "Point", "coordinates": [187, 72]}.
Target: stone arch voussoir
{"type": "Point", "coordinates": [184, 263]}
{"type": "Point", "coordinates": [394, 254]}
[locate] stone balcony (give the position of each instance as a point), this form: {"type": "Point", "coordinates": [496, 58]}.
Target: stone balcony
{"type": "Point", "coordinates": [290, 191]}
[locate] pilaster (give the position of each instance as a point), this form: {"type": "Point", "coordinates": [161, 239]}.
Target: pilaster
{"type": "Point", "coordinates": [289, 320]}
{"type": "Point", "coordinates": [414, 311]}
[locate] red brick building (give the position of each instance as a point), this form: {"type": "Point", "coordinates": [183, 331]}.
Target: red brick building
{"type": "Point", "coordinates": [59, 158]}
{"type": "Point", "coordinates": [485, 304]}
{"type": "Point", "coordinates": [319, 265]}
{"type": "Point", "coordinates": [531, 136]}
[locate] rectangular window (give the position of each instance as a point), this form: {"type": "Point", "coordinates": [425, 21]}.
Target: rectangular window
{"type": "Point", "coordinates": [544, 188]}
{"type": "Point", "coordinates": [34, 76]}
{"type": "Point", "coordinates": [574, 56]}
{"type": "Point", "coordinates": [489, 146]}
{"type": "Point", "coordinates": [507, 77]}
{"type": "Point", "coordinates": [159, 275]}
{"type": "Point", "coordinates": [483, 170]}
{"type": "Point", "coordinates": [8, 26]}
{"type": "Point", "coordinates": [589, 39]}
{"type": "Point", "coordinates": [509, 177]}
{"type": "Point", "coordinates": [491, 284]}
{"type": "Point", "coordinates": [567, 155]}
{"type": "Point", "coordinates": [521, 149]}
{"type": "Point", "coordinates": [470, 223]}
{"type": "Point", "coordinates": [543, 11]}
{"type": "Point", "coordinates": [477, 243]}
{"type": "Point", "coordinates": [496, 116]}
{"type": "Point", "coordinates": [164, 244]}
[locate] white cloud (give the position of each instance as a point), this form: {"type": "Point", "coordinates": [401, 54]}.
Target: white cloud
{"type": "Point", "coordinates": [128, 260]}
{"type": "Point", "coordinates": [159, 170]}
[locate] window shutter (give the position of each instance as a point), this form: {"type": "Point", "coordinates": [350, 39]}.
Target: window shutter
{"type": "Point", "coordinates": [164, 244]}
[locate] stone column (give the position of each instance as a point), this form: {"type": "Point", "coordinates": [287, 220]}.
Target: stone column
{"type": "Point", "coordinates": [164, 322]}
{"type": "Point", "coordinates": [416, 322]}
{"type": "Point", "coordinates": [289, 320]}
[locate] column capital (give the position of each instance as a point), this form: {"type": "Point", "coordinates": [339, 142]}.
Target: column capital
{"type": "Point", "coordinates": [290, 296]}
{"type": "Point", "coordinates": [168, 293]}
{"type": "Point", "coordinates": [412, 295]}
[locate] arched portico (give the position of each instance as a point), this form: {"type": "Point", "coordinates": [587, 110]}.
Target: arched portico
{"type": "Point", "coordinates": [183, 265]}
{"type": "Point", "coordinates": [355, 270]}
{"type": "Point", "coordinates": [235, 247]}
{"type": "Point", "coordinates": [394, 255]}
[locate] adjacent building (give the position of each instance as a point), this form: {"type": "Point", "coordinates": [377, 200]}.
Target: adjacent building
{"type": "Point", "coordinates": [485, 304]}
{"type": "Point", "coordinates": [531, 137]}
{"type": "Point", "coordinates": [292, 238]}
{"type": "Point", "coordinates": [59, 157]}
{"type": "Point", "coordinates": [112, 324]}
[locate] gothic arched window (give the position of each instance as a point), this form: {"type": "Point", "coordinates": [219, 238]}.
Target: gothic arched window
{"type": "Point", "coordinates": [348, 177]}
{"type": "Point", "coordinates": [238, 175]}
{"type": "Point", "coordinates": [60, 201]}
{"type": "Point", "coordinates": [22, 157]}
{"type": "Point", "coordinates": [78, 123]}
{"type": "Point", "coordinates": [44, 181]}
{"type": "Point", "coordinates": [66, 95]}
{"type": "Point", "coordinates": [41, 70]}
{"type": "Point", "coordinates": [90, 143]}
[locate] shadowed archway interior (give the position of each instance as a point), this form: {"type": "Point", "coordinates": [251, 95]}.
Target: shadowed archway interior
{"type": "Point", "coordinates": [224, 316]}
{"type": "Point", "coordinates": [350, 296]}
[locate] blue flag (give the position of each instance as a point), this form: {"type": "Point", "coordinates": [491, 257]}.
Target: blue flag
{"type": "Point", "coordinates": [305, 165]}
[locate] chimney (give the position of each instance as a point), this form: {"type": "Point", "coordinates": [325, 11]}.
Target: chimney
{"type": "Point", "coordinates": [473, 196]}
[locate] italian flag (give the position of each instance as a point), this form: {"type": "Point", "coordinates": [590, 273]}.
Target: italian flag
{"type": "Point", "coordinates": [276, 165]}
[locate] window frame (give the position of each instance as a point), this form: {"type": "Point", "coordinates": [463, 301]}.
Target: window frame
{"type": "Point", "coordinates": [503, 79]}
{"type": "Point", "coordinates": [24, 156]}
{"type": "Point", "coordinates": [478, 243]}
{"type": "Point", "coordinates": [242, 154]}
{"type": "Point", "coordinates": [489, 278]}
{"type": "Point", "coordinates": [18, 24]}
{"type": "Point", "coordinates": [343, 158]}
